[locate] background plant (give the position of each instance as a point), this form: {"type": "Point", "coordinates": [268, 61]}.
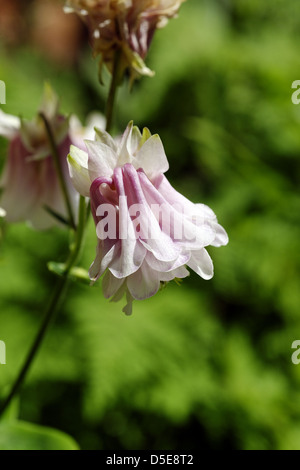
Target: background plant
{"type": "Point", "coordinates": [206, 364]}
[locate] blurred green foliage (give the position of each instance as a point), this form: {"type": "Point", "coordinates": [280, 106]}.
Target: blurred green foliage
{"type": "Point", "coordinates": [207, 364]}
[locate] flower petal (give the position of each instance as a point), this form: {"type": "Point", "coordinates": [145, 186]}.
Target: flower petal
{"type": "Point", "coordinates": [221, 238]}
{"type": "Point", "coordinates": [120, 292]}
{"type": "Point", "coordinates": [132, 251]}
{"type": "Point", "coordinates": [110, 284]}
{"type": "Point", "coordinates": [102, 159]}
{"type": "Point", "coordinates": [124, 150]}
{"type": "Point", "coordinates": [50, 102]}
{"type": "Point", "coordinates": [105, 138]}
{"type": "Point", "coordinates": [79, 133]}
{"type": "Point", "coordinates": [106, 252]}
{"type": "Point", "coordinates": [78, 169]}
{"type": "Point", "coordinates": [179, 273]}
{"type": "Point", "coordinates": [172, 217]}
{"type": "Point", "coordinates": [172, 196]}
{"type": "Point", "coordinates": [151, 236]}
{"type": "Point", "coordinates": [144, 283]}
{"type": "Point", "coordinates": [165, 266]}
{"type": "Point", "coordinates": [201, 263]}
{"type": "Point", "coordinates": [9, 125]}
{"type": "Point", "coordinates": [130, 259]}
{"type": "Point", "coordinates": [200, 213]}
{"type": "Point", "coordinates": [136, 138]}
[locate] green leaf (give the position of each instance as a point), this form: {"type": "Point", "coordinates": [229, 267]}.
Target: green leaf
{"type": "Point", "coordinates": [12, 412]}
{"type": "Point", "coordinates": [76, 273]}
{"type": "Point", "coordinates": [20, 435]}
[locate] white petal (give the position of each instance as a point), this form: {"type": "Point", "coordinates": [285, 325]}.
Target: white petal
{"type": "Point", "coordinates": [130, 259]}
{"type": "Point", "coordinates": [105, 138]}
{"type": "Point", "coordinates": [201, 263]}
{"type": "Point", "coordinates": [174, 197]}
{"type": "Point", "coordinates": [205, 211]}
{"type": "Point", "coordinates": [120, 292]}
{"type": "Point", "coordinates": [144, 283]}
{"type": "Point", "coordinates": [124, 151]}
{"type": "Point", "coordinates": [181, 229]}
{"type": "Point", "coordinates": [102, 159]}
{"type": "Point", "coordinates": [110, 284]}
{"type": "Point", "coordinates": [9, 125]}
{"type": "Point", "coordinates": [77, 133]}
{"type": "Point", "coordinates": [77, 162]}
{"type": "Point", "coordinates": [164, 266]}
{"type": "Point", "coordinates": [50, 102]}
{"type": "Point", "coordinates": [94, 271]}
{"type": "Point", "coordinates": [179, 273]}
{"type": "Point", "coordinates": [93, 120]}
{"type": "Point", "coordinates": [134, 143]}
{"type": "Point", "coordinates": [221, 238]}
{"type": "Point", "coordinates": [152, 158]}
{"type": "Point", "coordinates": [106, 252]}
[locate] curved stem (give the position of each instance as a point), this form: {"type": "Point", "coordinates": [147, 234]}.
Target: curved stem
{"type": "Point", "coordinates": [115, 79]}
{"type": "Point", "coordinates": [53, 306]}
{"type": "Point", "coordinates": [57, 162]}
{"type": "Point", "coordinates": [52, 309]}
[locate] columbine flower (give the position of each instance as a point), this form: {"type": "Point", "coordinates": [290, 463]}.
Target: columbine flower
{"type": "Point", "coordinates": [147, 232]}
{"type": "Point", "coordinates": [29, 181]}
{"type": "Point", "coordinates": [124, 25]}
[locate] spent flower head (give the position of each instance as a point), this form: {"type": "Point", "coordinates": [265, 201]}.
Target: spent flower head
{"type": "Point", "coordinates": [127, 26]}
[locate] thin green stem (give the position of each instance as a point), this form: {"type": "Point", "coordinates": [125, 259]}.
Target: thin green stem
{"type": "Point", "coordinates": [53, 306]}
{"type": "Point", "coordinates": [115, 80]}
{"type": "Point", "coordinates": [57, 162]}
{"type": "Point", "coordinates": [51, 310]}
{"type": "Point", "coordinates": [76, 249]}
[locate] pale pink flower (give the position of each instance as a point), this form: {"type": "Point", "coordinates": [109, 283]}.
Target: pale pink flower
{"type": "Point", "coordinates": [29, 181]}
{"type": "Point", "coordinates": [126, 184]}
{"type": "Point", "coordinates": [124, 25]}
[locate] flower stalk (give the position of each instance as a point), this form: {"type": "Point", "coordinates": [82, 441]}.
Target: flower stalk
{"type": "Point", "coordinates": [115, 80]}
{"type": "Point", "coordinates": [75, 248]}
{"type": "Point", "coordinates": [53, 306]}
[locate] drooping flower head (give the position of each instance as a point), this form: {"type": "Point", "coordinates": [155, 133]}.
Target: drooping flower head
{"type": "Point", "coordinates": [29, 183]}
{"type": "Point", "coordinates": [127, 26]}
{"type": "Point", "coordinates": [148, 233]}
